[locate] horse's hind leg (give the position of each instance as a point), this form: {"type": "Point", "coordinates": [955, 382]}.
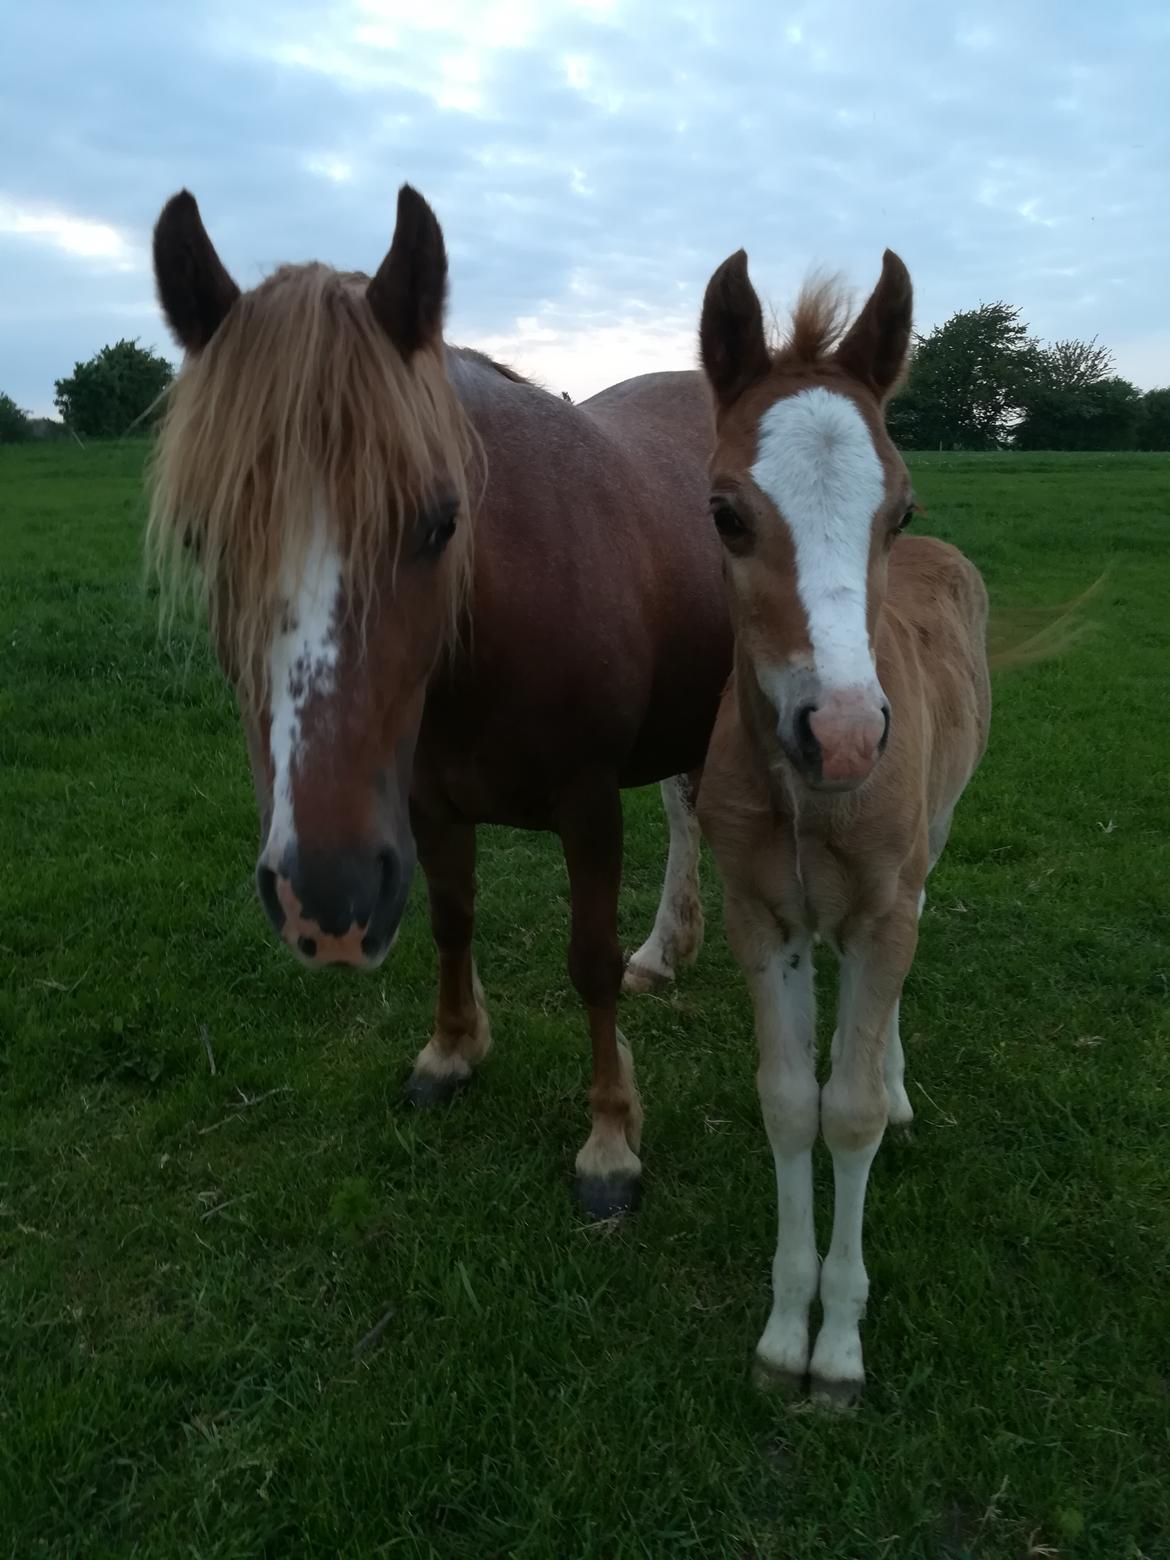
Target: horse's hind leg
{"type": "Point", "coordinates": [678, 926]}
{"type": "Point", "coordinates": [901, 1112]}
{"type": "Point", "coordinates": [609, 1173]}
{"type": "Point", "coordinates": [462, 1034]}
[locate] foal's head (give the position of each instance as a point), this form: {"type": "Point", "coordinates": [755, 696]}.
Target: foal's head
{"type": "Point", "coordinates": [808, 494]}
{"type": "Point", "coordinates": [311, 480]}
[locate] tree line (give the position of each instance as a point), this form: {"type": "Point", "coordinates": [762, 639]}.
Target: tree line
{"type": "Point", "coordinates": [980, 381]}
{"type": "Point", "coordinates": [114, 393]}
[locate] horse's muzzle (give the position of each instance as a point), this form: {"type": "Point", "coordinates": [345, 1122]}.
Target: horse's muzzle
{"type": "Point", "coordinates": [337, 907]}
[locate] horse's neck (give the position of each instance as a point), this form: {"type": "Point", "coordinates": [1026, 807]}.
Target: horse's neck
{"type": "Point", "coordinates": [476, 380]}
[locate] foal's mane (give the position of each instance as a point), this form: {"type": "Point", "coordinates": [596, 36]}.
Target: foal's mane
{"type": "Point", "coordinates": [819, 319]}
{"type": "Point", "coordinates": [300, 401]}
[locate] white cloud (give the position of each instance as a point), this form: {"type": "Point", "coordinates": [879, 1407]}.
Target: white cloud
{"type": "Point", "coordinates": [584, 357]}
{"type": "Point", "coordinates": [336, 169]}
{"type": "Point", "coordinates": [80, 236]}
{"type": "Point", "coordinates": [592, 161]}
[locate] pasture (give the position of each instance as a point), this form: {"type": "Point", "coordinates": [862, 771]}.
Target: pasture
{"type": "Point", "coordinates": [266, 1310]}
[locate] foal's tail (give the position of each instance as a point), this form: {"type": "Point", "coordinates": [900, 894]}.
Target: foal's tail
{"type": "Point", "coordinates": [1022, 636]}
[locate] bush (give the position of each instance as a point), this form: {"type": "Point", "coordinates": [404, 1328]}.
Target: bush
{"type": "Point", "coordinates": [114, 392]}
{"type": "Point", "coordinates": [1154, 422]}
{"type": "Point", "coordinates": [1099, 416]}
{"type": "Point", "coordinates": [15, 426]}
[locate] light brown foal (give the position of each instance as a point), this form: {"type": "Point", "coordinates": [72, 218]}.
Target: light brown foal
{"type": "Point", "coordinates": [856, 713]}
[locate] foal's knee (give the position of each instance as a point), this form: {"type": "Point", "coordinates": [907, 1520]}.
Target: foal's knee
{"type": "Point", "coordinates": [854, 1110]}
{"type": "Point", "coordinates": [790, 1105]}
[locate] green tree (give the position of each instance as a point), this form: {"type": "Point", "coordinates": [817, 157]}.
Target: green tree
{"type": "Point", "coordinates": [969, 381]}
{"type": "Point", "coordinates": [115, 390]}
{"type": "Point", "coordinates": [15, 426]}
{"type": "Point", "coordinates": [1154, 423]}
{"type": "Point", "coordinates": [1104, 415]}
{"type": "Point", "coordinates": [1071, 365]}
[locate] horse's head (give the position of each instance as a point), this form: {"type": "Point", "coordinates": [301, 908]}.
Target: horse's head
{"type": "Point", "coordinates": [311, 478]}
{"type": "Point", "coordinates": [808, 493]}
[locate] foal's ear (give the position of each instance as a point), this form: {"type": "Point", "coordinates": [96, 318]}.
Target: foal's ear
{"type": "Point", "coordinates": [410, 289]}
{"type": "Point", "coordinates": [875, 346]}
{"type": "Point", "coordinates": [193, 288]}
{"type": "Point", "coordinates": [732, 343]}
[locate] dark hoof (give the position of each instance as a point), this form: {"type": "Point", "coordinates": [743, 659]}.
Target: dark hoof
{"type": "Point", "coordinates": [608, 1196]}
{"type": "Point", "coordinates": [425, 1091]}
{"type": "Point", "coordinates": [786, 1384]}
{"type": "Point", "coordinates": [839, 1396]}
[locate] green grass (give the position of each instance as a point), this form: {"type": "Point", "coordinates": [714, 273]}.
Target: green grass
{"type": "Point", "coordinates": [184, 1276]}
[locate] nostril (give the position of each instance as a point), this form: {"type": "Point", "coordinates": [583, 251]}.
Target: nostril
{"type": "Point", "coordinates": [389, 873]}
{"type": "Point", "coordinates": [387, 878]}
{"type": "Point", "coordinates": [307, 946]}
{"type": "Point", "coordinates": [269, 898]}
{"type": "Point", "coordinates": [885, 727]}
{"type": "Point", "coordinates": [805, 736]}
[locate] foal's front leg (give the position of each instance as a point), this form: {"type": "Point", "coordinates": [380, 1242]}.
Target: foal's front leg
{"type": "Point", "coordinates": [854, 1112]}
{"type": "Point", "coordinates": [609, 1172]}
{"type": "Point", "coordinates": [462, 1034]}
{"type": "Point", "coordinates": [779, 972]}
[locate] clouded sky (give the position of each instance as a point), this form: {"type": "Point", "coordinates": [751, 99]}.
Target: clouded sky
{"type": "Point", "coordinates": [592, 161]}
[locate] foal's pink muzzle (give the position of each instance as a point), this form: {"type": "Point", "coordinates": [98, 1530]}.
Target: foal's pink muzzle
{"type": "Point", "coordinates": [850, 729]}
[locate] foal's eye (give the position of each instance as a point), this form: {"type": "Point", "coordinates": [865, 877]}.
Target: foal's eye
{"type": "Point", "coordinates": [728, 522]}
{"type": "Point", "coordinates": [906, 518]}
{"type": "Point", "coordinates": [438, 529]}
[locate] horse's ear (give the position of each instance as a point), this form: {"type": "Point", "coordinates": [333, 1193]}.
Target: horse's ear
{"type": "Point", "coordinates": [194, 289]}
{"type": "Point", "coordinates": [875, 347]}
{"type": "Point", "coordinates": [732, 342]}
{"type": "Point", "coordinates": [410, 289]}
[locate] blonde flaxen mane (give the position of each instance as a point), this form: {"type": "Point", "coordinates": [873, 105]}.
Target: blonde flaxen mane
{"type": "Point", "coordinates": [301, 397]}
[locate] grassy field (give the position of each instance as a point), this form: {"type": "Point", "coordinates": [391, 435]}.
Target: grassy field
{"type": "Point", "coordinates": [189, 1261]}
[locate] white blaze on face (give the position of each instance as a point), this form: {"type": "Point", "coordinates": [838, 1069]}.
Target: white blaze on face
{"type": "Point", "coordinates": [301, 662]}
{"type": "Point", "coordinates": [816, 461]}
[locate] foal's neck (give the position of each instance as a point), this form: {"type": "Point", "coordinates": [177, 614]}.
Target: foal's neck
{"type": "Point", "coordinates": [794, 804]}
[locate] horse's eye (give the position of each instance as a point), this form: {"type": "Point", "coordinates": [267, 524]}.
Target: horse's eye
{"type": "Point", "coordinates": [906, 518]}
{"type": "Point", "coordinates": [728, 522]}
{"type": "Point", "coordinates": [438, 529]}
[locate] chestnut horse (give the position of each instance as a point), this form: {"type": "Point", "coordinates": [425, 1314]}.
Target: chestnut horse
{"type": "Point", "coordinates": [857, 712]}
{"type": "Point", "coordinates": [445, 597]}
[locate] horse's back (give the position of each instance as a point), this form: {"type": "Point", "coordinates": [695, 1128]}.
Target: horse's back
{"type": "Point", "coordinates": [675, 402]}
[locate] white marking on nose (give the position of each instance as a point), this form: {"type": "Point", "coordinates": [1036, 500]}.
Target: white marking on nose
{"type": "Point", "coordinates": [301, 661]}
{"type": "Point", "coordinates": [816, 461]}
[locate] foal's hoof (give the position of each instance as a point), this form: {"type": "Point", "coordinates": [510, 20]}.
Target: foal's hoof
{"type": "Point", "coordinates": [786, 1384]}
{"type": "Point", "coordinates": [838, 1396]}
{"type": "Point", "coordinates": [608, 1196]}
{"type": "Point", "coordinates": [638, 979]}
{"type": "Point", "coordinates": [425, 1090]}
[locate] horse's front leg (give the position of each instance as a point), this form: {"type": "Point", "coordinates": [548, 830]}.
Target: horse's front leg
{"type": "Point", "coordinates": [462, 1034]}
{"type": "Point", "coordinates": [854, 1110]}
{"type": "Point", "coordinates": [609, 1172]}
{"type": "Point", "coordinates": [779, 971]}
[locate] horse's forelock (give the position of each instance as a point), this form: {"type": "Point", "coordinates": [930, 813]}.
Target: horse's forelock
{"type": "Point", "coordinates": [300, 397]}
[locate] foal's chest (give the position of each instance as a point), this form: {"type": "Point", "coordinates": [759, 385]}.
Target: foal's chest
{"type": "Point", "coordinates": [804, 879]}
